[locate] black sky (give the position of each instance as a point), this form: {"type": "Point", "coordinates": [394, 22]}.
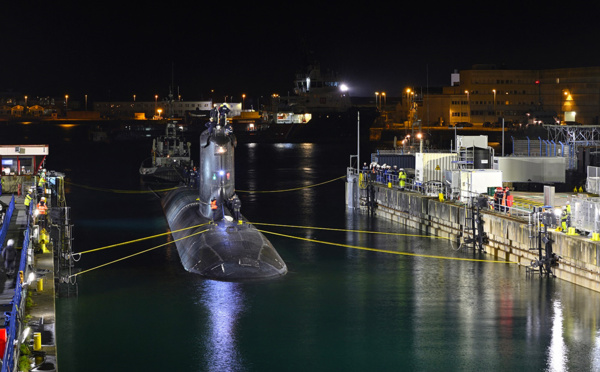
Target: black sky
{"type": "Point", "coordinates": [112, 50]}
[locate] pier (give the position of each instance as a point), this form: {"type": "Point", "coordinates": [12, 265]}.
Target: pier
{"type": "Point", "coordinates": [511, 238]}
{"type": "Point", "coordinates": [30, 290]}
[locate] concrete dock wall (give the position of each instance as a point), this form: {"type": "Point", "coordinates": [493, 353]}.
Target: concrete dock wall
{"type": "Point", "coordinates": [510, 238]}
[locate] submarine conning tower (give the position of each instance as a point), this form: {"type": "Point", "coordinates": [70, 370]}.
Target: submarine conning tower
{"type": "Point", "coordinates": [217, 169]}
{"type": "Point", "coordinates": [231, 248]}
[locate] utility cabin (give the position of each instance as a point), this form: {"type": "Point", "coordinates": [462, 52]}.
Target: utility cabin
{"type": "Point", "coordinates": [19, 164]}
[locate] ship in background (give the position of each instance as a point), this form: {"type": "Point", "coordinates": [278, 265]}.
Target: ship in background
{"type": "Point", "coordinates": [319, 110]}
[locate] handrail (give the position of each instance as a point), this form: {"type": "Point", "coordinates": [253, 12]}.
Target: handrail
{"type": "Point", "coordinates": [14, 318]}
{"type": "Point", "coordinates": [7, 217]}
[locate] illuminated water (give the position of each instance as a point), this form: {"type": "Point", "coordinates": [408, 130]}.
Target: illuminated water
{"type": "Point", "coordinates": [338, 309]}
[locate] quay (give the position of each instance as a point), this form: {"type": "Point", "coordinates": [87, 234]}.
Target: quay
{"type": "Point", "coordinates": [29, 292]}
{"type": "Point", "coordinates": [511, 237]}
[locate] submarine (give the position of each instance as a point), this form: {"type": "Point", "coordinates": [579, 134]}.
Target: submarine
{"type": "Point", "coordinates": [218, 244]}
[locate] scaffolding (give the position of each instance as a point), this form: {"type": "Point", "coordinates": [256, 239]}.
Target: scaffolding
{"type": "Point", "coordinates": [574, 136]}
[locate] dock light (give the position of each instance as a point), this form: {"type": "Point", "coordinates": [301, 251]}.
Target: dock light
{"type": "Point", "coordinates": [221, 149]}
{"type": "Point", "coordinates": [221, 173]}
{"type": "Point", "coordinates": [557, 212]}
{"type": "Point", "coordinates": [30, 278]}
{"type": "Point", "coordinates": [25, 334]}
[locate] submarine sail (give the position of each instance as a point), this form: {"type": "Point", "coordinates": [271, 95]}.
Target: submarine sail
{"type": "Point", "coordinates": [231, 249]}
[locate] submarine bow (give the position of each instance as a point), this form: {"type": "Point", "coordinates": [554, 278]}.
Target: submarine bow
{"type": "Point", "coordinates": [218, 244]}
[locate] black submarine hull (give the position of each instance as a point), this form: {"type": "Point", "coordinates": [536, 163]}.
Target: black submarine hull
{"type": "Point", "coordinates": [226, 250]}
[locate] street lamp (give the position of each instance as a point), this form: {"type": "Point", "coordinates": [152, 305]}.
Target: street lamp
{"type": "Point", "coordinates": [376, 96]}
{"type": "Point", "coordinates": [384, 99]}
{"type": "Point", "coordinates": [243, 100]}
{"type": "Point", "coordinates": [495, 116]}
{"type": "Point", "coordinates": [468, 106]}
{"type": "Point", "coordinates": [66, 103]}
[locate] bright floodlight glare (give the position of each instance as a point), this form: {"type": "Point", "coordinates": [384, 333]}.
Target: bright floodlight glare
{"type": "Point", "coordinates": [221, 173]}
{"type": "Point", "coordinates": [344, 88]}
{"type": "Point", "coordinates": [25, 334]}
{"type": "Point", "coordinates": [557, 212]}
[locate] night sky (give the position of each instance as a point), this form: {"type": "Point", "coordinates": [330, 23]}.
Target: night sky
{"type": "Point", "coordinates": [111, 50]}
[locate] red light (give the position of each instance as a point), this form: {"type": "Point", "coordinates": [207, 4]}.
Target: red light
{"type": "Point", "coordinates": [537, 81]}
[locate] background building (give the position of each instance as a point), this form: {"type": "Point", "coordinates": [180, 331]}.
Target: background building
{"type": "Point", "coordinates": [485, 94]}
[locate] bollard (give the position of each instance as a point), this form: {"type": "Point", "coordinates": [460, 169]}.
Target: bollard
{"type": "Point", "coordinates": [571, 231]}
{"type": "Point", "coordinates": [389, 185]}
{"type": "Point", "coordinates": [37, 341]}
{"type": "Point", "coordinates": [40, 285]}
{"type": "Point", "coordinates": [595, 237]}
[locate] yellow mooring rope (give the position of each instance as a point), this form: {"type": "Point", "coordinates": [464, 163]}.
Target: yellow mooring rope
{"type": "Point", "coordinates": [173, 188]}
{"type": "Point", "coordinates": [135, 254]}
{"type": "Point", "coordinates": [293, 237]}
{"type": "Point", "coordinates": [385, 250]}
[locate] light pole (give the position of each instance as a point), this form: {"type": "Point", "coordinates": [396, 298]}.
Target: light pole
{"type": "Point", "coordinates": [384, 100]}
{"type": "Point", "coordinates": [66, 104]}
{"type": "Point", "coordinates": [495, 117]}
{"type": "Point", "coordinates": [468, 106]}
{"type": "Point", "coordinates": [376, 96]}
{"type": "Point", "coordinates": [243, 101]}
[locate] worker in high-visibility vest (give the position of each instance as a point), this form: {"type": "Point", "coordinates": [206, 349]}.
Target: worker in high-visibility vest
{"type": "Point", "coordinates": [563, 220]}
{"type": "Point", "coordinates": [213, 207]}
{"type": "Point", "coordinates": [402, 178]}
{"type": "Point", "coordinates": [42, 208]}
{"type": "Point", "coordinates": [28, 199]}
{"type": "Point", "coordinates": [41, 183]}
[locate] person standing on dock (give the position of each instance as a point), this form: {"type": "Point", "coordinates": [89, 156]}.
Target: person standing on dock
{"type": "Point", "coordinates": [42, 208]}
{"type": "Point", "coordinates": [28, 199]}
{"type": "Point", "coordinates": [213, 207]}
{"type": "Point", "coordinates": [402, 178]}
{"type": "Point", "coordinates": [42, 182]}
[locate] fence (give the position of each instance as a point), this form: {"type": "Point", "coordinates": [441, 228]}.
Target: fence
{"type": "Point", "coordinates": [14, 318]}
{"type": "Point", "coordinates": [431, 188]}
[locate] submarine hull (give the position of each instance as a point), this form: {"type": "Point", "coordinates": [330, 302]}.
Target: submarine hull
{"type": "Point", "coordinates": [226, 250]}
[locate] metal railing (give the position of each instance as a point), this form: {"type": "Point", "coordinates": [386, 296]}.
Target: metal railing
{"type": "Point", "coordinates": [14, 319]}
{"type": "Point", "coordinates": [435, 189]}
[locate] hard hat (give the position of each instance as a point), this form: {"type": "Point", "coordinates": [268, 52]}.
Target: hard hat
{"type": "Point", "coordinates": [43, 198]}
{"type": "Point", "coordinates": [10, 242]}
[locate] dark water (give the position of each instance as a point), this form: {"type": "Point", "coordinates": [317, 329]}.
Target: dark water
{"type": "Point", "coordinates": [338, 308]}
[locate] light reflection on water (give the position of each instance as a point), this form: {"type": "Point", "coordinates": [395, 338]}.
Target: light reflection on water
{"type": "Point", "coordinates": [224, 303]}
{"type": "Point", "coordinates": [557, 353]}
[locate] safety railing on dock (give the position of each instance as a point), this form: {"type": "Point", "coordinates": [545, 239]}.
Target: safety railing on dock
{"type": "Point", "coordinates": [435, 189]}
{"type": "Point", "coordinates": [14, 319]}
